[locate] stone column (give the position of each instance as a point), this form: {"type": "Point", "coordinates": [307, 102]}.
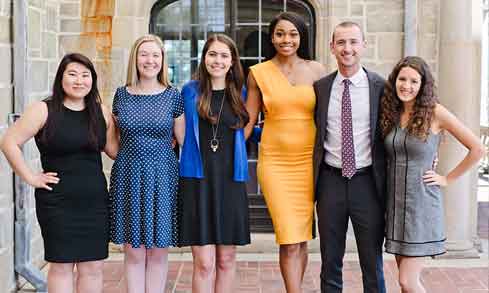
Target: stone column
{"type": "Point", "coordinates": [485, 64]}
{"type": "Point", "coordinates": [410, 27]}
{"type": "Point", "coordinates": [459, 91]}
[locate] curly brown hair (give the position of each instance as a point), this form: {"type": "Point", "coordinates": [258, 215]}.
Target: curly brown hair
{"type": "Point", "coordinates": [424, 107]}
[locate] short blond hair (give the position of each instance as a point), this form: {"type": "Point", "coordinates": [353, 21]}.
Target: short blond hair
{"type": "Point", "coordinates": [132, 70]}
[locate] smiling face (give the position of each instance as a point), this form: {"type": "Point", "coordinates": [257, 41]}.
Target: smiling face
{"type": "Point", "coordinates": [348, 46]}
{"type": "Point", "coordinates": [77, 81]}
{"type": "Point", "coordinates": [218, 60]}
{"type": "Point", "coordinates": [408, 84]}
{"type": "Point", "coordinates": [286, 38]}
{"type": "Point", "coordinates": [149, 60]}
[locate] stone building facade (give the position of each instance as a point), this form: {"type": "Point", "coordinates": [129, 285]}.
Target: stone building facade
{"type": "Point", "coordinates": [7, 280]}
{"type": "Point", "coordinates": [104, 30]}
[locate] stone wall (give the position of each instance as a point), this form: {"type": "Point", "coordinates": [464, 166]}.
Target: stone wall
{"type": "Point", "coordinates": [42, 62]}
{"type": "Point", "coordinates": [104, 31]}
{"type": "Point", "coordinates": [7, 281]}
{"type": "Point", "coordinates": [383, 23]}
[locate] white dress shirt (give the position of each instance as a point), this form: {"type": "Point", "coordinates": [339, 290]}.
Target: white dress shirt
{"type": "Point", "coordinates": [360, 104]}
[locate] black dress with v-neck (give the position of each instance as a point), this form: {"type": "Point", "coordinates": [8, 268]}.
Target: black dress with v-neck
{"type": "Point", "coordinates": [214, 210]}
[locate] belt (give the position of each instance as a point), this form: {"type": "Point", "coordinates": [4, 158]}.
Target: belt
{"type": "Point", "coordinates": [360, 171]}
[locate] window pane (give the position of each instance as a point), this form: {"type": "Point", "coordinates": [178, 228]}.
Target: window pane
{"type": "Point", "coordinates": [217, 12]}
{"type": "Point", "coordinates": [265, 39]}
{"type": "Point", "coordinates": [197, 37]}
{"type": "Point", "coordinates": [171, 14]}
{"type": "Point", "coordinates": [270, 8]}
{"type": "Point", "coordinates": [247, 40]}
{"type": "Point", "coordinates": [300, 8]}
{"type": "Point", "coordinates": [194, 34]}
{"type": "Point", "coordinates": [218, 28]}
{"type": "Point", "coordinates": [175, 53]}
{"type": "Point", "coordinates": [183, 12]}
{"type": "Point", "coordinates": [194, 11]}
{"type": "Point", "coordinates": [247, 11]}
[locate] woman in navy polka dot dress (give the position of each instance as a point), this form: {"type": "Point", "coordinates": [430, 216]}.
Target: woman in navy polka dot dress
{"type": "Point", "coordinates": [144, 176]}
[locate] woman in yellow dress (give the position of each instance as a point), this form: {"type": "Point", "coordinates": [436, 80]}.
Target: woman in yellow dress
{"type": "Point", "coordinates": [282, 88]}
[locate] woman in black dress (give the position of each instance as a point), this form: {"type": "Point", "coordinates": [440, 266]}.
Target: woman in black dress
{"type": "Point", "coordinates": [70, 128]}
{"type": "Point", "coordinates": [213, 167]}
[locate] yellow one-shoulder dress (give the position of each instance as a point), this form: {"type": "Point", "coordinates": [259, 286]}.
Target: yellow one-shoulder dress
{"type": "Point", "coordinates": [285, 169]}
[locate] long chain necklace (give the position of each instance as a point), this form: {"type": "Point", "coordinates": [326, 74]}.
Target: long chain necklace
{"type": "Point", "coordinates": [214, 143]}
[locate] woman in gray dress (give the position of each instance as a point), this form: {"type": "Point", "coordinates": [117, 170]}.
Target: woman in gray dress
{"type": "Point", "coordinates": [412, 121]}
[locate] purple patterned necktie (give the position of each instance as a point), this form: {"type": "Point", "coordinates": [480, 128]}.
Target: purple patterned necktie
{"type": "Point", "coordinates": [348, 168]}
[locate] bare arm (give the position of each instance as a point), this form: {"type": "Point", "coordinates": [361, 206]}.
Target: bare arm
{"type": "Point", "coordinates": [25, 128]}
{"type": "Point", "coordinates": [447, 121]}
{"type": "Point", "coordinates": [179, 129]}
{"type": "Point", "coordinates": [112, 144]}
{"type": "Point", "coordinates": [253, 104]}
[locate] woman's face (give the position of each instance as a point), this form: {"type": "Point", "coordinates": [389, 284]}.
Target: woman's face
{"type": "Point", "coordinates": [218, 60]}
{"type": "Point", "coordinates": [149, 60]}
{"type": "Point", "coordinates": [77, 81]}
{"type": "Point", "coordinates": [408, 84]}
{"type": "Point", "coordinates": [286, 38]}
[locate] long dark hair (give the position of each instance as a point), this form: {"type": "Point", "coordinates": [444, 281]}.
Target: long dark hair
{"type": "Point", "coordinates": [234, 83]}
{"type": "Point", "coordinates": [304, 51]}
{"type": "Point", "coordinates": [92, 101]}
{"type": "Point", "coordinates": [419, 123]}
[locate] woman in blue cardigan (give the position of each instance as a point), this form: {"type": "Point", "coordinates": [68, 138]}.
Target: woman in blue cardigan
{"type": "Point", "coordinates": [213, 167]}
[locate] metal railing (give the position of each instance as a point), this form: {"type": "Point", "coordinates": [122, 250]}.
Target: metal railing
{"type": "Point", "coordinates": [484, 165]}
{"type": "Point", "coordinates": [22, 233]}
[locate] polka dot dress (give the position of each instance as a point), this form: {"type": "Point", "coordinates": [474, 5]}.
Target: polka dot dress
{"type": "Point", "coordinates": [144, 178]}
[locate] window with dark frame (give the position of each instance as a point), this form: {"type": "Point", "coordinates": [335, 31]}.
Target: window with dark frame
{"type": "Point", "coordinates": [185, 24]}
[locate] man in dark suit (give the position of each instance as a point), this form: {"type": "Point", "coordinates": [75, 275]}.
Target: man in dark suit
{"type": "Point", "coordinates": [349, 165]}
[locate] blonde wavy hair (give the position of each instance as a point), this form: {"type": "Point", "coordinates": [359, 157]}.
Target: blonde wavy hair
{"type": "Point", "coordinates": [132, 70]}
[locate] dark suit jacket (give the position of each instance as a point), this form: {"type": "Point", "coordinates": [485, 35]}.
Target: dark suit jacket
{"type": "Point", "coordinates": [322, 88]}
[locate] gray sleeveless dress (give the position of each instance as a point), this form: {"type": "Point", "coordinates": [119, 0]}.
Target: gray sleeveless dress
{"type": "Point", "coordinates": [414, 223]}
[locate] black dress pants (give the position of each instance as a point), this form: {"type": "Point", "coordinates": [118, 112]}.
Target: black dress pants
{"type": "Point", "coordinates": [340, 199]}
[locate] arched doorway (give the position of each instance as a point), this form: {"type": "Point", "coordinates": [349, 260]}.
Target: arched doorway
{"type": "Point", "coordinates": [184, 26]}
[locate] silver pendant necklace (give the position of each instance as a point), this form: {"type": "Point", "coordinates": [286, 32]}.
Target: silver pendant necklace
{"type": "Point", "coordinates": [214, 143]}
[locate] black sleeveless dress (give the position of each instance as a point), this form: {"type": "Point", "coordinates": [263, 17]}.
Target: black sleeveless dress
{"type": "Point", "coordinates": [214, 210]}
{"type": "Point", "coordinates": [73, 216]}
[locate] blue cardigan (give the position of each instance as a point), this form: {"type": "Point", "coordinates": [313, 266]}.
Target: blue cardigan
{"type": "Point", "coordinates": [191, 161]}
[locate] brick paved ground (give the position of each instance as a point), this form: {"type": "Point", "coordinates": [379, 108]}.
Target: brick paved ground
{"type": "Point", "coordinates": [262, 274]}
{"type": "Point", "coordinates": [264, 277]}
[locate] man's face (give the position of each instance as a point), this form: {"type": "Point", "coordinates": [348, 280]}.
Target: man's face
{"type": "Point", "coordinates": [348, 46]}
